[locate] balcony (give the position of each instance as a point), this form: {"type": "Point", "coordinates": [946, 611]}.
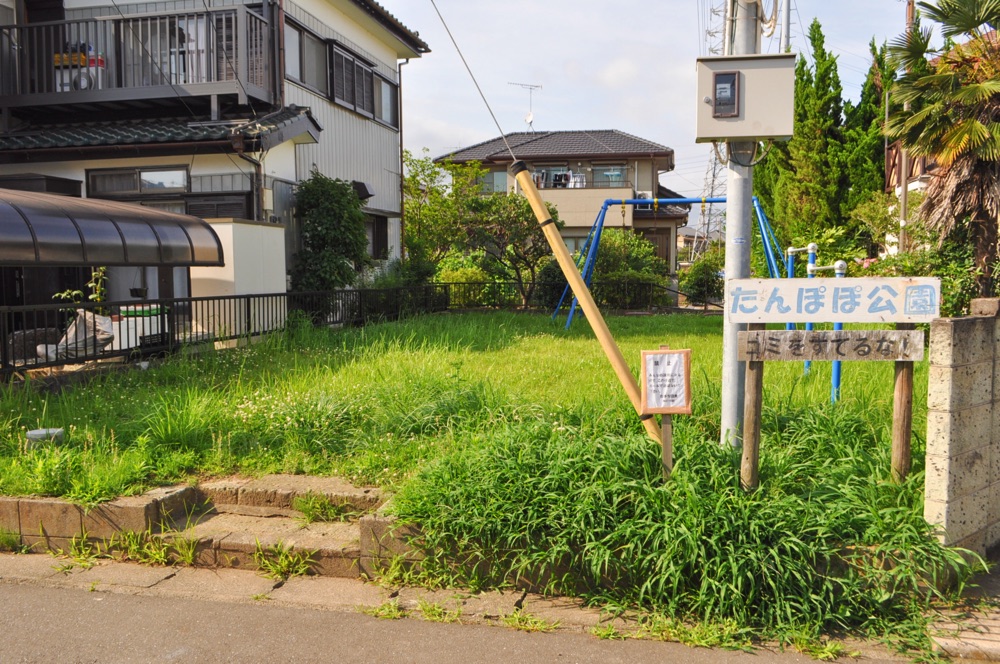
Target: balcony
{"type": "Point", "coordinates": [136, 60]}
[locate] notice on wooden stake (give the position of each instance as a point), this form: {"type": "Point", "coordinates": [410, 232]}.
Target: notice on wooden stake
{"type": "Point", "coordinates": [666, 382]}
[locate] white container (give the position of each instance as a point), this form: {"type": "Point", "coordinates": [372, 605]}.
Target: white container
{"type": "Point", "coordinates": [40, 436]}
{"type": "Point", "coordinates": [130, 329]}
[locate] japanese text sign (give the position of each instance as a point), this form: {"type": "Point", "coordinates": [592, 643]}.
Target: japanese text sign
{"type": "Point", "coordinates": [666, 382]}
{"type": "Point", "coordinates": [843, 300]}
{"type": "Point", "coordinates": [848, 345]}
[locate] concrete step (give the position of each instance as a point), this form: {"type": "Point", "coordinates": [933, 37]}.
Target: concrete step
{"type": "Point", "coordinates": [227, 521]}
{"type": "Point", "coordinates": [233, 540]}
{"type": "Point", "coordinates": [275, 495]}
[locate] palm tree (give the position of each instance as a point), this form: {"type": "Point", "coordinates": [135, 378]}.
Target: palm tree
{"type": "Point", "coordinates": [953, 116]}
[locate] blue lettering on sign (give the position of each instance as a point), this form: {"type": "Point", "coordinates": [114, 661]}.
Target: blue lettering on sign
{"type": "Point", "coordinates": [776, 300]}
{"type": "Point", "coordinates": [811, 300]}
{"type": "Point", "coordinates": [846, 299]}
{"type": "Point", "coordinates": [738, 297]}
{"type": "Point", "coordinates": [919, 300]}
{"type": "Point", "coordinates": [878, 304]}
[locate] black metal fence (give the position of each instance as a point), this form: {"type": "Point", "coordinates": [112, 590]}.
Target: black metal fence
{"type": "Point", "coordinates": [58, 334]}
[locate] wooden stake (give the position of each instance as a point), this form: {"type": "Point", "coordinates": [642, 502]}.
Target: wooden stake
{"type": "Point", "coordinates": [583, 296]}
{"type": "Point", "coordinates": [754, 400]}
{"type": "Point", "coordinates": [668, 446]}
{"type": "Point", "coordinates": [902, 416]}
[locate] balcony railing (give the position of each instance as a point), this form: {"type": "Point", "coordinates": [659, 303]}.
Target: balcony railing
{"type": "Point", "coordinates": [225, 51]}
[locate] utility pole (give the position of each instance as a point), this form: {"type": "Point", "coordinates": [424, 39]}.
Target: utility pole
{"type": "Point", "coordinates": [744, 19]}
{"type": "Point", "coordinates": [904, 165]}
{"type": "Point", "coordinates": [786, 26]}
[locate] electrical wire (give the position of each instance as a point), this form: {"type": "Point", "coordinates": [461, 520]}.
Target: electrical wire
{"type": "Point", "coordinates": [473, 76]}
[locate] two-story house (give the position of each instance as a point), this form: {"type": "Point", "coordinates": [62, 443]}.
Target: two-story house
{"type": "Point", "coordinates": [215, 109]}
{"type": "Point", "coordinates": [577, 171]}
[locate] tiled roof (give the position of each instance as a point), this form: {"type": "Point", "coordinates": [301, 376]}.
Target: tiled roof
{"type": "Point", "coordinates": [161, 131]}
{"type": "Point", "coordinates": [606, 143]}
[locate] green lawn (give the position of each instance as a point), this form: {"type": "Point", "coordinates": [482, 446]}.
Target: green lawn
{"type": "Point", "coordinates": [509, 440]}
{"type": "Point", "coordinates": [372, 404]}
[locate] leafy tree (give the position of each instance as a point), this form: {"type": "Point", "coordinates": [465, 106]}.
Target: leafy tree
{"type": "Point", "coordinates": [954, 117]}
{"type": "Point", "coordinates": [623, 250]}
{"type": "Point", "coordinates": [334, 242]}
{"type": "Point", "coordinates": [863, 153]}
{"type": "Point", "coordinates": [505, 228]}
{"type": "Point", "coordinates": [801, 182]}
{"type": "Point", "coordinates": [437, 200]}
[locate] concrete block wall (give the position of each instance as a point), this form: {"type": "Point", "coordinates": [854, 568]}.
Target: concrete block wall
{"type": "Point", "coordinates": [962, 480]}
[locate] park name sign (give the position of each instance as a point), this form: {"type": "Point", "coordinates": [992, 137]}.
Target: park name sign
{"type": "Point", "coordinates": [837, 300]}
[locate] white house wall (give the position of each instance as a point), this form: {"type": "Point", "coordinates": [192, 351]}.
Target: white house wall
{"type": "Point", "coordinates": [351, 146]}
{"type": "Point", "coordinates": [279, 162]}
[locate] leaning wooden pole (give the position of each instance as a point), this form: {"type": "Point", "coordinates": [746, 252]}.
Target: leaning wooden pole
{"type": "Point", "coordinates": [583, 296]}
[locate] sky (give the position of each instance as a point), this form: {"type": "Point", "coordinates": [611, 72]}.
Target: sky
{"type": "Point", "coordinates": [600, 64]}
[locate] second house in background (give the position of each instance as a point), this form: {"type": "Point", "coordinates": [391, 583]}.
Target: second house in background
{"type": "Point", "coordinates": [578, 170]}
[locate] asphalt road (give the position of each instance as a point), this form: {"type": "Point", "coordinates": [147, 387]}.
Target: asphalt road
{"type": "Point", "coordinates": [71, 625]}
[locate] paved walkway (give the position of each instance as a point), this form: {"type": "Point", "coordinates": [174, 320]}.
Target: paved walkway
{"type": "Point", "coordinates": [973, 632]}
{"type": "Point", "coordinates": [122, 612]}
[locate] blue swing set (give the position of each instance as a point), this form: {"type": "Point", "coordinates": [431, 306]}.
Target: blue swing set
{"type": "Point", "coordinates": [588, 254]}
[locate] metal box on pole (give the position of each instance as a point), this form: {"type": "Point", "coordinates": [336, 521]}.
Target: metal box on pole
{"type": "Point", "coordinates": [745, 98]}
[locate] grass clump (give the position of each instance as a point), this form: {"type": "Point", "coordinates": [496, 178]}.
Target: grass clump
{"type": "Point", "coordinates": [280, 562]}
{"type": "Point", "coordinates": [828, 543]}
{"type": "Point", "coordinates": [390, 610]}
{"type": "Point", "coordinates": [11, 542]}
{"type": "Point", "coordinates": [526, 622]}
{"type": "Point", "coordinates": [316, 507]}
{"type": "Point", "coordinates": [435, 612]}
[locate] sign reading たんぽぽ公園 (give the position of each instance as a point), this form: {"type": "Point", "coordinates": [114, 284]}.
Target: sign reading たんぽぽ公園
{"type": "Point", "coordinates": [843, 300]}
{"type": "Point", "coordinates": [666, 382]}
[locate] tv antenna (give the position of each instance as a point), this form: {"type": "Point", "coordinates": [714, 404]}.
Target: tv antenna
{"type": "Point", "coordinates": [530, 117]}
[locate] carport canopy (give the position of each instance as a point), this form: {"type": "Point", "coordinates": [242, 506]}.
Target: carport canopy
{"type": "Point", "coordinates": [45, 229]}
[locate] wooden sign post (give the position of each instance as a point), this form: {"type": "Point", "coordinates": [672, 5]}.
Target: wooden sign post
{"type": "Point", "coordinates": [903, 346]}
{"type": "Point", "coordinates": [901, 300]}
{"type": "Point", "coordinates": [666, 390]}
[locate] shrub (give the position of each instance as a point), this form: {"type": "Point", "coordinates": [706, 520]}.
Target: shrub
{"type": "Point", "coordinates": [953, 263]}
{"type": "Point", "coordinates": [334, 242]}
{"type": "Point", "coordinates": [629, 290]}
{"type": "Point", "coordinates": [701, 282]}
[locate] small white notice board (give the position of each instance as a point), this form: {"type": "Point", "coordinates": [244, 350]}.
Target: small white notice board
{"type": "Point", "coordinates": [666, 382]}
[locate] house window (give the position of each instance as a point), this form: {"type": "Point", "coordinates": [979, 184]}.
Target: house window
{"type": "Point", "coordinates": [306, 59]}
{"type": "Point", "coordinates": [358, 87]}
{"type": "Point", "coordinates": [495, 182]}
{"type": "Point", "coordinates": [609, 176]}
{"type": "Point", "coordinates": [132, 182]}
{"type": "Point", "coordinates": [386, 100]}
{"type": "Point", "coordinates": [551, 176]}
{"type": "Point", "coordinates": [377, 230]}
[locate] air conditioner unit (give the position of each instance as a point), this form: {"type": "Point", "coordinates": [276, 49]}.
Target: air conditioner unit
{"type": "Point", "coordinates": [647, 195]}
{"type": "Point", "coordinates": [81, 73]}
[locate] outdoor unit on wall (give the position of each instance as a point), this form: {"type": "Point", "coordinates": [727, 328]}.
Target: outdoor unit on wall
{"type": "Point", "coordinates": [745, 98]}
{"type": "Point", "coordinates": [79, 71]}
{"type": "Point", "coordinates": [644, 195]}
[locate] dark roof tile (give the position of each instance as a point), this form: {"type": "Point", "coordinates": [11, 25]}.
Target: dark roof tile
{"type": "Point", "coordinates": [147, 131]}
{"type": "Point", "coordinates": [609, 143]}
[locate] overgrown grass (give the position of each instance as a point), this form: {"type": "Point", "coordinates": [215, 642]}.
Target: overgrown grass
{"type": "Point", "coordinates": [511, 441]}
